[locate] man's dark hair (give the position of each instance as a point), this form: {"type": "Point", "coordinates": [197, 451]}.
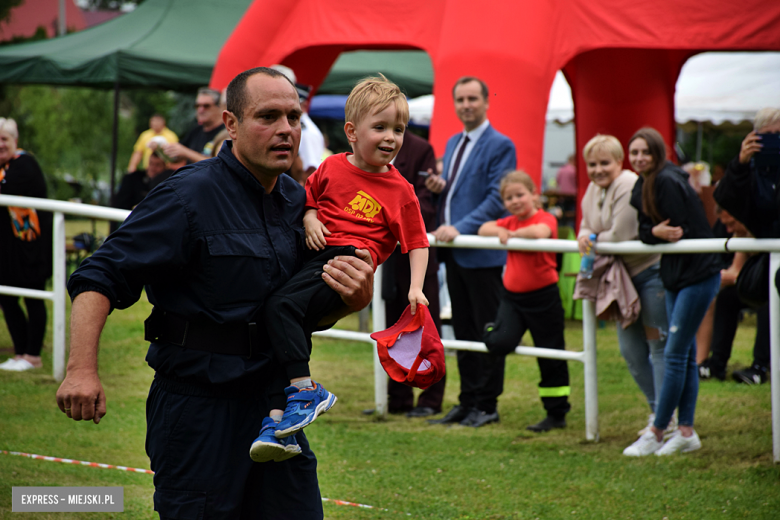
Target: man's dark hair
{"type": "Point", "coordinates": [469, 79]}
{"type": "Point", "coordinates": [236, 90]}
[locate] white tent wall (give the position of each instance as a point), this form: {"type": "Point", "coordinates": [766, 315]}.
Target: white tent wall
{"type": "Point", "coordinates": [718, 88]}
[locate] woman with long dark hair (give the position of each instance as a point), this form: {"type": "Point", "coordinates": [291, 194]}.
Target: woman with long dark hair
{"type": "Point", "coordinates": [669, 210]}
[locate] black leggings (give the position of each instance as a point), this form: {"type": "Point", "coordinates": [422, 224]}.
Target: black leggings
{"type": "Point", "coordinates": [27, 332]}
{"type": "Point", "coordinates": [540, 312]}
{"type": "Point", "coordinates": [293, 312]}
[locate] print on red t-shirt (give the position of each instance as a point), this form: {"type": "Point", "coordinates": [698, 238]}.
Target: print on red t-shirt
{"type": "Point", "coordinates": [371, 211]}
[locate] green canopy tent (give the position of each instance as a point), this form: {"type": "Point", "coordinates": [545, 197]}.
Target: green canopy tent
{"type": "Point", "coordinates": [410, 70]}
{"type": "Point", "coordinates": [166, 44]}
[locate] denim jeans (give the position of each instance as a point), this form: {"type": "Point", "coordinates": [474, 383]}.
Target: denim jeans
{"type": "Point", "coordinates": [685, 309]}
{"type": "Point", "coordinates": [645, 357]}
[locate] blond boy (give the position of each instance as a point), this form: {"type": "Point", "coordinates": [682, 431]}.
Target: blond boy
{"type": "Point", "coordinates": [354, 201]}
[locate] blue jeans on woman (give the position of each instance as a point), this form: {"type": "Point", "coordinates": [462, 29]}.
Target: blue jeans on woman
{"type": "Point", "coordinates": [685, 309]}
{"type": "Point", "coordinates": [645, 357]}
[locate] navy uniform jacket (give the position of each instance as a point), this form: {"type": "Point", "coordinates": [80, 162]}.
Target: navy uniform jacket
{"type": "Point", "coordinates": [208, 244]}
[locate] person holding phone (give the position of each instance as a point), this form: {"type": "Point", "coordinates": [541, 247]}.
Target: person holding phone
{"type": "Point", "coordinates": [748, 191]}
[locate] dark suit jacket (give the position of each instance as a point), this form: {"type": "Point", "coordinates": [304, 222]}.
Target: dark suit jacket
{"type": "Point", "coordinates": [416, 155]}
{"type": "Point", "coordinates": [475, 199]}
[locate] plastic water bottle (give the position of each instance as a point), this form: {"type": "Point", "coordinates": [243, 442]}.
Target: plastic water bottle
{"type": "Point", "coordinates": [586, 265]}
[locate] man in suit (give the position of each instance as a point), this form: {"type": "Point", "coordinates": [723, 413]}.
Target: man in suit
{"type": "Point", "coordinates": [475, 160]}
{"type": "Point", "coordinates": [415, 161]}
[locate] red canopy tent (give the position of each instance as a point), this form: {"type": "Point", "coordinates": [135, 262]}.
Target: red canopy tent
{"type": "Point", "coordinates": [621, 57]}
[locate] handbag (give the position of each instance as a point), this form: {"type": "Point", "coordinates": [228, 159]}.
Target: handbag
{"type": "Point", "coordinates": [753, 281]}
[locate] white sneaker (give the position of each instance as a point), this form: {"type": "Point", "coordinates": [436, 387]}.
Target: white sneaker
{"type": "Point", "coordinates": [644, 445]}
{"type": "Point", "coordinates": [9, 364]}
{"type": "Point", "coordinates": [679, 443]}
{"type": "Point", "coordinates": [20, 366]}
{"type": "Point", "coordinates": [650, 421]}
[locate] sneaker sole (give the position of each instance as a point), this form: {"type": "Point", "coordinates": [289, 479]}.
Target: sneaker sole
{"type": "Point", "coordinates": [323, 407]}
{"type": "Point", "coordinates": [686, 450]}
{"type": "Point", "coordinates": [267, 451]}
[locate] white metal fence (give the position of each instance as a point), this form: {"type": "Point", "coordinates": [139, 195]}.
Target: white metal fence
{"type": "Point", "coordinates": [587, 356]}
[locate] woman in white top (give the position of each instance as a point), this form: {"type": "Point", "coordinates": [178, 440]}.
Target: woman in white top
{"type": "Point", "coordinates": [607, 213]}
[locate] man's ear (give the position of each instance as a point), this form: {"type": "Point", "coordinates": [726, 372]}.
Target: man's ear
{"type": "Point", "coordinates": [349, 129]}
{"type": "Point", "coordinates": [231, 123]}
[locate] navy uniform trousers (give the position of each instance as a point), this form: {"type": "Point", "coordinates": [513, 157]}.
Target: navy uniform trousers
{"type": "Point", "coordinates": [198, 441]}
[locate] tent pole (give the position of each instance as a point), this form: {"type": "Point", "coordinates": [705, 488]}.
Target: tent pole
{"type": "Point", "coordinates": [62, 26]}
{"type": "Point", "coordinates": [114, 137]}
{"type": "Point", "coordinates": [699, 139]}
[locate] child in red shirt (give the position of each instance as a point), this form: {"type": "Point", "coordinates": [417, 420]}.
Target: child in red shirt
{"type": "Point", "coordinates": [531, 300]}
{"type": "Point", "coordinates": [353, 201]}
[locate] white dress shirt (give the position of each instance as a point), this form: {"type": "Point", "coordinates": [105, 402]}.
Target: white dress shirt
{"type": "Point", "coordinates": [474, 136]}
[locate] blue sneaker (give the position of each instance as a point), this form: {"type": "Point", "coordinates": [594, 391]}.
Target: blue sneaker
{"type": "Point", "coordinates": [303, 406]}
{"type": "Point", "coordinates": [268, 448]}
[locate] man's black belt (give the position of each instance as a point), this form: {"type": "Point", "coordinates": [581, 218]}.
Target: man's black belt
{"type": "Point", "coordinates": [234, 339]}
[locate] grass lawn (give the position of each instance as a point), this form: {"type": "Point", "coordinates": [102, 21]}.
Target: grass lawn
{"type": "Point", "coordinates": [407, 466]}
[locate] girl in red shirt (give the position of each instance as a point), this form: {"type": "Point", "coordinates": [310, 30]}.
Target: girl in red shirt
{"type": "Point", "coordinates": [530, 300]}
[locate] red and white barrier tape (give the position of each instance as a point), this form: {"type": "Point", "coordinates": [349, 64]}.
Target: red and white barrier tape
{"type": "Point", "coordinates": [150, 472]}
{"type": "Point", "coordinates": [78, 462]}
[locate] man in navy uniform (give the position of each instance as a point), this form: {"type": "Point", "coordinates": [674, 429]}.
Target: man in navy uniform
{"type": "Point", "coordinates": [210, 244]}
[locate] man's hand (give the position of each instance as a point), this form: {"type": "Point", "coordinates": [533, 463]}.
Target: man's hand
{"type": "Point", "coordinates": [179, 150]}
{"type": "Point", "coordinates": [446, 233]}
{"type": "Point", "coordinates": [750, 146]}
{"type": "Point", "coordinates": [434, 182]}
{"type": "Point", "coordinates": [351, 277]}
{"type": "Point", "coordinates": [81, 396]}
{"type": "Point", "coordinates": [666, 232]}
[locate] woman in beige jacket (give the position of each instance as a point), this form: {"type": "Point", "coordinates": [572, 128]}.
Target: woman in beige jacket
{"type": "Point", "coordinates": [607, 213]}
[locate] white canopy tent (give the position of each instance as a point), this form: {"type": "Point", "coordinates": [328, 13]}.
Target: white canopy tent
{"type": "Point", "coordinates": [715, 87]}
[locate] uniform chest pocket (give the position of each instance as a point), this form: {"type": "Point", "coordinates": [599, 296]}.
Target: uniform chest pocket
{"type": "Point", "coordinates": [240, 267]}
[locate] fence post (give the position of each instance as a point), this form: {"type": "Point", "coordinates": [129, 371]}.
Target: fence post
{"type": "Point", "coordinates": [380, 377]}
{"type": "Point", "coordinates": [774, 356]}
{"type": "Point", "coordinates": [60, 293]}
{"type": "Point", "coordinates": [591, 380]}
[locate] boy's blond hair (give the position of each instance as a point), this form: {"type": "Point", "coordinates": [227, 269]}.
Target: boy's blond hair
{"type": "Point", "coordinates": [372, 95]}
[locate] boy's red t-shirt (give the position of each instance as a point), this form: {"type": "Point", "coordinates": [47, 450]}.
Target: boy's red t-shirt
{"type": "Point", "coordinates": [528, 270]}
{"type": "Point", "coordinates": [371, 211]}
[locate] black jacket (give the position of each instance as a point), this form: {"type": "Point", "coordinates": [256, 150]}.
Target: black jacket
{"type": "Point", "coordinates": [23, 263]}
{"type": "Point", "coordinates": [209, 245]}
{"type": "Point", "coordinates": [679, 202]}
{"type": "Point", "coordinates": [751, 196]}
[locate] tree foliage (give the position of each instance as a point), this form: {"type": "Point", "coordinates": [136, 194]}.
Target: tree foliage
{"type": "Point", "coordinates": [69, 131]}
{"type": "Point", "coordinates": [6, 6]}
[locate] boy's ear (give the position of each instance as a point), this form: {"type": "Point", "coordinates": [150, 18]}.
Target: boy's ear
{"type": "Point", "coordinates": [351, 131]}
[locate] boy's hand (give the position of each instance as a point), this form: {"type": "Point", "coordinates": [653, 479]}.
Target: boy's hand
{"type": "Point", "coordinates": [503, 235]}
{"type": "Point", "coordinates": [315, 231]}
{"type": "Point", "coordinates": [416, 296]}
